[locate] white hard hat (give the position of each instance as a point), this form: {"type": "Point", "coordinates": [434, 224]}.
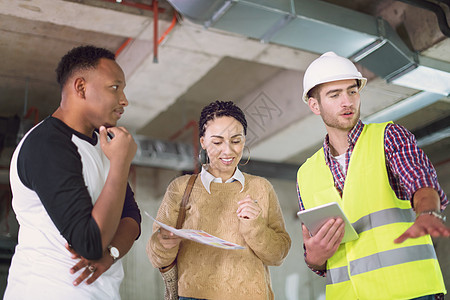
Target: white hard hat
{"type": "Point", "coordinates": [327, 68]}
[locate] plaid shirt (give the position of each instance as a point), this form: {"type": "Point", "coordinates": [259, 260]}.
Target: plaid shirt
{"type": "Point", "coordinates": [408, 168]}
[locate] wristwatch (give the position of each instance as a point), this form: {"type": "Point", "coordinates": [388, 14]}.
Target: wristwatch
{"type": "Point", "coordinates": [114, 252]}
{"type": "Point", "coordinates": [433, 213]}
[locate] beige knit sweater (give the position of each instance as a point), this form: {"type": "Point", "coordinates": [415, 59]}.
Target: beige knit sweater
{"type": "Point", "coordinates": [208, 272]}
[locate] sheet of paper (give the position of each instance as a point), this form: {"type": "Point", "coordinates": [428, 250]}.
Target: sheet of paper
{"type": "Point", "coordinates": [199, 236]}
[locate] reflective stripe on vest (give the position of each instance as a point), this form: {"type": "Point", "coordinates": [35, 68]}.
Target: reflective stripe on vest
{"type": "Point", "coordinates": [384, 217]}
{"type": "Point", "coordinates": [381, 260]}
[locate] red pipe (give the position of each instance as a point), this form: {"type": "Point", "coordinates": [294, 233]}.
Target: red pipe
{"type": "Point", "coordinates": [36, 114]}
{"type": "Point", "coordinates": [123, 46]}
{"type": "Point", "coordinates": [194, 125]}
{"type": "Point", "coordinates": [161, 39]}
{"type": "Point", "coordinates": [155, 31]}
{"type": "Point", "coordinates": [172, 25]}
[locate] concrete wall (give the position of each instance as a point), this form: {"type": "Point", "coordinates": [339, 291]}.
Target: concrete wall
{"type": "Point", "coordinates": [291, 281]}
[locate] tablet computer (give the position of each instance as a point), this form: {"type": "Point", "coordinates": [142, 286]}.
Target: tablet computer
{"type": "Point", "coordinates": [315, 217]}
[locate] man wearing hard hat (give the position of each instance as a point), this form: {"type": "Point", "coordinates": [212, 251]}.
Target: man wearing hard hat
{"type": "Point", "coordinates": [387, 188]}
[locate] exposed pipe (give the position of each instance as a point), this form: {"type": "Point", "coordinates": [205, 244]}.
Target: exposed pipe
{"type": "Point", "coordinates": [123, 46]}
{"type": "Point", "coordinates": [155, 31]}
{"type": "Point", "coordinates": [155, 9]}
{"type": "Point", "coordinates": [194, 126]}
{"type": "Point", "coordinates": [161, 39]}
{"type": "Point", "coordinates": [28, 111]}
{"type": "Point", "coordinates": [438, 11]}
{"type": "Point", "coordinates": [25, 105]}
{"type": "Point", "coordinates": [172, 25]}
{"type": "Point", "coordinates": [35, 111]}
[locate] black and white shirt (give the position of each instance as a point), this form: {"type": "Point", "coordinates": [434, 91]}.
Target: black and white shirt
{"type": "Point", "coordinates": [56, 176]}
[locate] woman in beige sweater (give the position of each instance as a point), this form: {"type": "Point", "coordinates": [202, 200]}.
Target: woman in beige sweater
{"type": "Point", "coordinates": [235, 206]}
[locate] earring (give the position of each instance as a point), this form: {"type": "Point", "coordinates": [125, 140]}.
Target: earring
{"type": "Point", "coordinates": [248, 157]}
{"type": "Point", "coordinates": [203, 157]}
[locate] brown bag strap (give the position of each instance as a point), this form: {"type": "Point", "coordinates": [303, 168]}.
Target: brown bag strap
{"type": "Point", "coordinates": [185, 200]}
{"type": "Point", "coordinates": [182, 214]}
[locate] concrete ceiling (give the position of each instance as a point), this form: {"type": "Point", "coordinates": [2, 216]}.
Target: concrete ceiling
{"type": "Point", "coordinates": [196, 66]}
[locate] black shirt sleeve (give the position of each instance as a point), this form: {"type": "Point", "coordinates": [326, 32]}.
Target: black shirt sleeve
{"type": "Point", "coordinates": [50, 165]}
{"type": "Point", "coordinates": [131, 209]}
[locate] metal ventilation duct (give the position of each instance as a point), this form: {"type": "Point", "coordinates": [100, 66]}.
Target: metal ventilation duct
{"type": "Point", "coordinates": [319, 27]}
{"type": "Point", "coordinates": [163, 154]}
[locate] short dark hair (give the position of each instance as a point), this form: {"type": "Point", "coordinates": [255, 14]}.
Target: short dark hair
{"type": "Point", "coordinates": [219, 109]}
{"type": "Point", "coordinates": [315, 91]}
{"type": "Point", "coordinates": [80, 58]}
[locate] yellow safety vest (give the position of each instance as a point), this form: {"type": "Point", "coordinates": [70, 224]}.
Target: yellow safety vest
{"type": "Point", "coordinates": [371, 267]}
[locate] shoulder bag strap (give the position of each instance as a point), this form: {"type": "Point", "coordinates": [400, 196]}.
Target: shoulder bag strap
{"type": "Point", "coordinates": [182, 214]}
{"type": "Point", "coordinates": [185, 200]}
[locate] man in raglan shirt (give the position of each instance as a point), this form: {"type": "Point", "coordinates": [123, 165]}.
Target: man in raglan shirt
{"type": "Point", "coordinates": [76, 211]}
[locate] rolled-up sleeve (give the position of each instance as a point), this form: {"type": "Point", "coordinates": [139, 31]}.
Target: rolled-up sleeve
{"type": "Point", "coordinates": [131, 209]}
{"type": "Point", "coordinates": [409, 165]}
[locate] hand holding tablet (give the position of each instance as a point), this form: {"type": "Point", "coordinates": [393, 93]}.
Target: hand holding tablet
{"type": "Point", "coordinates": [314, 218]}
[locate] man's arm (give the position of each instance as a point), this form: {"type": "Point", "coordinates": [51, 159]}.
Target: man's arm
{"type": "Point", "coordinates": [123, 241]}
{"type": "Point", "coordinates": [108, 209]}
{"type": "Point", "coordinates": [409, 168]}
{"type": "Point", "coordinates": [319, 248]}
{"type": "Point", "coordinates": [425, 199]}
{"type": "Point", "coordinates": [417, 178]}
{"type": "Point", "coordinates": [126, 234]}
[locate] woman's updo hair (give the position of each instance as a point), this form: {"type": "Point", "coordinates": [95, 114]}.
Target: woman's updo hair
{"type": "Point", "coordinates": [219, 109]}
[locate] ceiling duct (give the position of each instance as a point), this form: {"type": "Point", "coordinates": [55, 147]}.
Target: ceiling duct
{"type": "Point", "coordinates": [365, 39]}
{"type": "Point", "coordinates": [163, 154]}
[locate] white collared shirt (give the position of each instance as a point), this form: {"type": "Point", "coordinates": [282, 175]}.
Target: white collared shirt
{"type": "Point", "coordinates": [207, 178]}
